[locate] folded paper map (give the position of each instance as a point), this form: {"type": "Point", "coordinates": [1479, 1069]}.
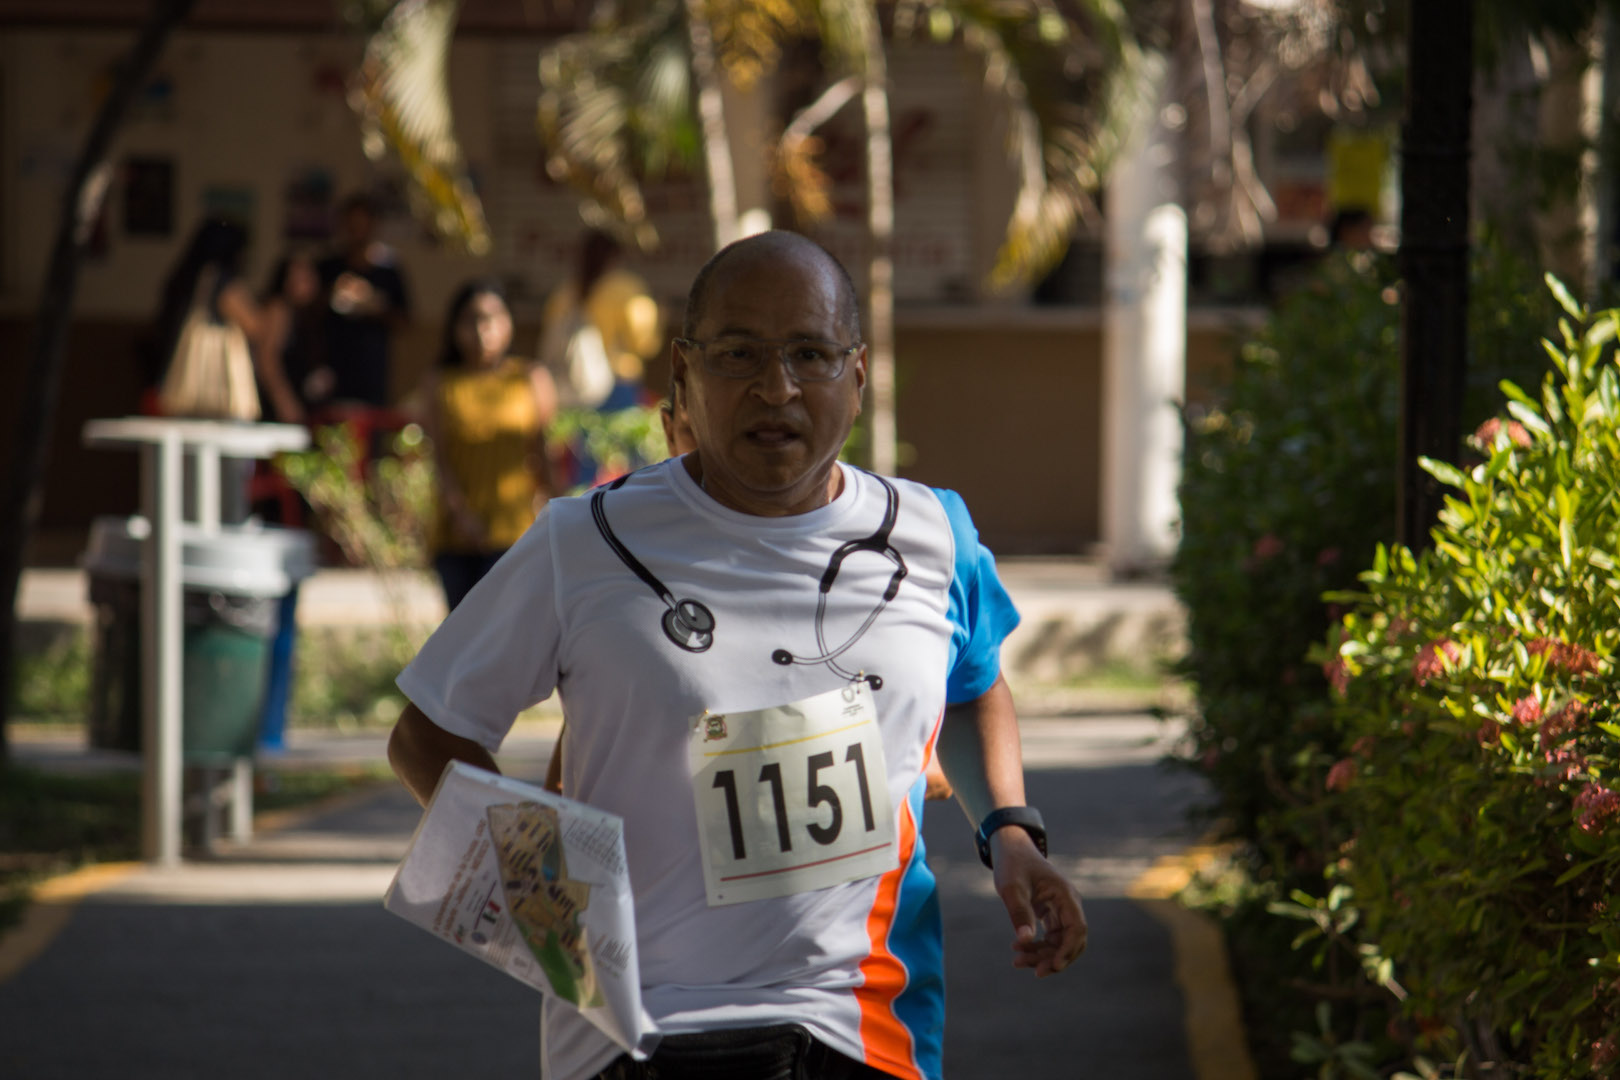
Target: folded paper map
{"type": "Point", "coordinates": [534, 884]}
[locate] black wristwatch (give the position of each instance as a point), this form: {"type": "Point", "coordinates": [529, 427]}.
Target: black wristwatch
{"type": "Point", "coordinates": [1025, 817]}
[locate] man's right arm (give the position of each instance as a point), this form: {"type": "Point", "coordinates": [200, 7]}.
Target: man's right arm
{"type": "Point", "coordinates": [419, 749]}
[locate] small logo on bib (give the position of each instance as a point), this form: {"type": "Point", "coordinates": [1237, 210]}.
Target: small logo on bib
{"type": "Point", "coordinates": [714, 727]}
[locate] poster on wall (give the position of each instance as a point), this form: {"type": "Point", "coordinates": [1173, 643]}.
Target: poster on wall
{"type": "Point", "coordinates": [149, 197]}
{"type": "Point", "coordinates": [307, 204]}
{"type": "Point", "coordinates": [230, 202]}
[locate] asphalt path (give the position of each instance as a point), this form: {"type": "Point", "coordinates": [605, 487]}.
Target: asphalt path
{"type": "Point", "coordinates": [277, 960]}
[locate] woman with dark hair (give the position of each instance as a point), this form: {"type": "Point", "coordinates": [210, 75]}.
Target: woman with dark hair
{"type": "Point", "coordinates": [206, 281]}
{"type": "Point", "coordinates": [288, 357]}
{"type": "Point", "coordinates": [487, 414]}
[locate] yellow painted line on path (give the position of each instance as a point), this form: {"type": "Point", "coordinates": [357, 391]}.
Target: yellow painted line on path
{"type": "Point", "coordinates": [52, 901]}
{"type": "Point", "coordinates": [51, 905]}
{"type": "Point", "coordinates": [1214, 1019]}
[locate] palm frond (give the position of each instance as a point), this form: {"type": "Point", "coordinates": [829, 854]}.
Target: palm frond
{"type": "Point", "coordinates": [749, 34]}
{"type": "Point", "coordinates": [402, 95]}
{"type": "Point", "coordinates": [1067, 81]}
{"type": "Point", "coordinates": [616, 103]}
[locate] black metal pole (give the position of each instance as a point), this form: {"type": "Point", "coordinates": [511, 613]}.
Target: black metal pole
{"type": "Point", "coordinates": [1434, 253]}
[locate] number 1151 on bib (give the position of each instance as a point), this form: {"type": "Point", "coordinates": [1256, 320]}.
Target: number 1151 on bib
{"type": "Point", "coordinates": [792, 798]}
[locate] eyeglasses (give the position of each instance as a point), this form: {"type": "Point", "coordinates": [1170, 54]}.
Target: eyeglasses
{"type": "Point", "coordinates": [806, 360]}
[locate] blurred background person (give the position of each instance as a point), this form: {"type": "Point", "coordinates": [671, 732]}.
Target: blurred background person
{"type": "Point", "coordinates": [598, 330]}
{"type": "Point", "coordinates": [290, 357]}
{"type": "Point", "coordinates": [366, 300]}
{"type": "Point", "coordinates": [486, 413]}
{"type": "Point", "coordinates": [206, 320]}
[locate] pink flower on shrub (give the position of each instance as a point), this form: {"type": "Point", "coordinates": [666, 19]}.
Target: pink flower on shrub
{"type": "Point", "coordinates": [1428, 664]}
{"type": "Point", "coordinates": [1399, 627]}
{"type": "Point", "coordinates": [1596, 804]}
{"type": "Point", "coordinates": [1339, 777]}
{"type": "Point", "coordinates": [1564, 721]}
{"type": "Point", "coordinates": [1268, 546]}
{"type": "Point", "coordinates": [1338, 675]}
{"type": "Point", "coordinates": [1487, 432]}
{"type": "Point", "coordinates": [1527, 711]}
{"type": "Point", "coordinates": [1327, 556]}
{"type": "Point", "coordinates": [1573, 764]}
{"type": "Point", "coordinates": [1489, 733]}
{"type": "Point", "coordinates": [1605, 1052]}
{"type": "Point", "coordinates": [1364, 746]}
{"type": "Point", "coordinates": [1567, 657]}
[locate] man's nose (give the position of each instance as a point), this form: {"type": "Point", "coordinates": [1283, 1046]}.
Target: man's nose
{"type": "Point", "coordinates": [774, 384]}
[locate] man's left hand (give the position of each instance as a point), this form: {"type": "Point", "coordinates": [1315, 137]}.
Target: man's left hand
{"type": "Point", "coordinates": [1049, 925]}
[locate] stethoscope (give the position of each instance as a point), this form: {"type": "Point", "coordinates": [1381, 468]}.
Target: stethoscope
{"type": "Point", "coordinates": [689, 623]}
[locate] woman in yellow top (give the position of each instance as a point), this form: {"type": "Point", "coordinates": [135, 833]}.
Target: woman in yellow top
{"type": "Point", "coordinates": [487, 416]}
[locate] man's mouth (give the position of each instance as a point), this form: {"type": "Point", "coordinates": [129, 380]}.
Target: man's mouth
{"type": "Point", "coordinates": [772, 435]}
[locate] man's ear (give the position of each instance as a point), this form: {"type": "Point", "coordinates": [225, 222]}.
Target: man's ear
{"type": "Point", "coordinates": [677, 371]}
{"type": "Point", "coordinates": [860, 378]}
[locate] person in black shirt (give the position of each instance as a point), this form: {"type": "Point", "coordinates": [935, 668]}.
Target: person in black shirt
{"type": "Point", "coordinates": [366, 301]}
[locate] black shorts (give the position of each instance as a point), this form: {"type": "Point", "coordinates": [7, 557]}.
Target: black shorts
{"type": "Point", "coordinates": [782, 1052]}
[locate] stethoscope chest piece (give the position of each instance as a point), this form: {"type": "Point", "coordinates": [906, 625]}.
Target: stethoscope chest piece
{"type": "Point", "coordinates": [690, 625]}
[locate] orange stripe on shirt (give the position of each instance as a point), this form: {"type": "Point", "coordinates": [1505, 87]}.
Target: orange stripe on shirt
{"type": "Point", "coordinates": [886, 1040]}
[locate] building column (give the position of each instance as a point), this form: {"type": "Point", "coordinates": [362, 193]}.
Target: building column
{"type": "Point", "coordinates": [1144, 343]}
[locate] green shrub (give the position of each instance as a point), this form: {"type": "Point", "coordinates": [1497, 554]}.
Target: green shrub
{"type": "Point", "coordinates": [1287, 489]}
{"type": "Point", "coordinates": [53, 683]}
{"type": "Point", "coordinates": [1476, 816]}
{"type": "Point", "coordinates": [619, 441]}
{"type": "Point", "coordinates": [376, 508]}
{"type": "Point", "coordinates": [344, 677]}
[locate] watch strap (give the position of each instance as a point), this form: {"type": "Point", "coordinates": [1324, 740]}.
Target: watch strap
{"type": "Point", "coordinates": [1025, 817]}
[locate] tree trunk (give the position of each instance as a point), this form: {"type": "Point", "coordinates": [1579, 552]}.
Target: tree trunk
{"type": "Point", "coordinates": [1434, 254]}
{"type": "Point", "coordinates": [80, 204]}
{"type": "Point", "coordinates": [712, 120]}
{"type": "Point", "coordinates": [880, 251]}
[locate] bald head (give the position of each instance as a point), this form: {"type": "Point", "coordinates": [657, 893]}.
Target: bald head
{"type": "Point", "coordinates": [764, 249]}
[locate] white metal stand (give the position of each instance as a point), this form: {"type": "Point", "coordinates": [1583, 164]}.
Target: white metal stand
{"type": "Point", "coordinates": [163, 445]}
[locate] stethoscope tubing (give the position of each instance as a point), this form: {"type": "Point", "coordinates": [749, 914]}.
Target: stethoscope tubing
{"type": "Point", "coordinates": [684, 622]}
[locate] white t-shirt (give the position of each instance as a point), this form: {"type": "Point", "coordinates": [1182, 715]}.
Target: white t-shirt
{"type": "Point", "coordinates": [859, 964]}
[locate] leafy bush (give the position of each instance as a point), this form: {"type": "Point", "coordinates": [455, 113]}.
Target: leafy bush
{"type": "Point", "coordinates": [53, 683]}
{"type": "Point", "coordinates": [344, 677]}
{"type": "Point", "coordinates": [1287, 489]}
{"type": "Point", "coordinates": [1476, 815]}
{"type": "Point", "coordinates": [619, 441]}
{"type": "Point", "coordinates": [376, 508]}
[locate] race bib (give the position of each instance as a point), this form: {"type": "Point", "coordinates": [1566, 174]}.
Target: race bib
{"type": "Point", "coordinates": [791, 798]}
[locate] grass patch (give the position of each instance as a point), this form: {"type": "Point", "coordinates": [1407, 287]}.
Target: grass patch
{"type": "Point", "coordinates": [1122, 674]}
{"type": "Point", "coordinates": [52, 823]}
{"type": "Point", "coordinates": [342, 678]}
{"type": "Point", "coordinates": [52, 685]}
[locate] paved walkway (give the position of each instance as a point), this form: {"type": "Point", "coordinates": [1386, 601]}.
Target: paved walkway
{"type": "Point", "coordinates": [275, 958]}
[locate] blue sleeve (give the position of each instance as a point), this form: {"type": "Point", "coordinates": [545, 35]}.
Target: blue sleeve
{"type": "Point", "coordinates": [981, 612]}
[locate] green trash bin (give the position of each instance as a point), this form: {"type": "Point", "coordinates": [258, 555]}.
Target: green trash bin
{"type": "Point", "coordinates": [233, 581]}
